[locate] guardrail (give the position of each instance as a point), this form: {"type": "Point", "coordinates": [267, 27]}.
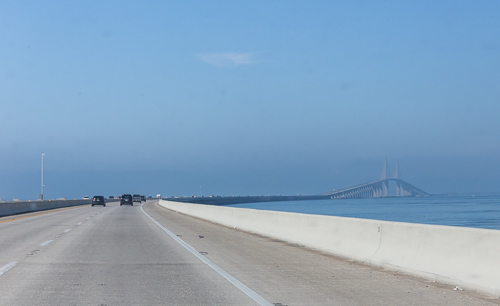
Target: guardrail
{"type": "Point", "coordinates": [466, 257]}
{"type": "Point", "coordinates": [20, 207]}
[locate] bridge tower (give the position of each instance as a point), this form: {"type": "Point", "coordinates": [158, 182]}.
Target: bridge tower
{"type": "Point", "coordinates": [385, 183]}
{"type": "Point", "coordinates": [397, 176]}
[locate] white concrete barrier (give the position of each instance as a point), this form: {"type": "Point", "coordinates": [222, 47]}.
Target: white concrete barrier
{"type": "Point", "coordinates": [19, 207]}
{"type": "Point", "coordinates": [465, 257]}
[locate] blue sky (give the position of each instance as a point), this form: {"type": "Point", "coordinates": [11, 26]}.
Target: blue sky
{"type": "Point", "coordinates": [247, 97]}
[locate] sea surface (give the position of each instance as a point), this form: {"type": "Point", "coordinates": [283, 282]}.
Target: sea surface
{"type": "Point", "coordinates": [471, 211]}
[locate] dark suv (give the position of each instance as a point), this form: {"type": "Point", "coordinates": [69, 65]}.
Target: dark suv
{"type": "Point", "coordinates": [98, 200]}
{"type": "Point", "coordinates": [143, 198]}
{"type": "Point", "coordinates": [126, 199]}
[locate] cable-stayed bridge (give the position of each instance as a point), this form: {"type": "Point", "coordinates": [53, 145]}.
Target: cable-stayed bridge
{"type": "Point", "coordinates": [379, 188]}
{"type": "Point", "coordinates": [373, 189]}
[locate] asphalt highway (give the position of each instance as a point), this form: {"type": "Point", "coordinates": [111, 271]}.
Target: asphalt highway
{"type": "Point", "coordinates": [133, 255]}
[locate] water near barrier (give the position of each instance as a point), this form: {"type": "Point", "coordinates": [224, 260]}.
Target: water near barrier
{"type": "Point", "coordinates": [476, 212]}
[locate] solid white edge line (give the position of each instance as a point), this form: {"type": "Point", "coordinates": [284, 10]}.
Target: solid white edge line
{"type": "Point", "coordinates": [46, 243]}
{"type": "Point", "coordinates": [7, 267]}
{"type": "Point", "coordinates": [249, 292]}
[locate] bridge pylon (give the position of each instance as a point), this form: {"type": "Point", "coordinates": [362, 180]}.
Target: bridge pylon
{"type": "Point", "coordinates": [397, 176]}
{"type": "Point", "coordinates": [383, 178]}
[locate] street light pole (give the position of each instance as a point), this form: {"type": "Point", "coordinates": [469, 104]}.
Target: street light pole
{"type": "Point", "coordinates": [41, 194]}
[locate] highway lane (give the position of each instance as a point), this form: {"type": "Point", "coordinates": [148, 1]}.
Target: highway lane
{"type": "Point", "coordinates": [118, 256]}
{"type": "Point", "coordinates": [20, 232]}
{"type": "Point", "coordinates": [103, 256]}
{"type": "Point", "coordinates": [288, 274]}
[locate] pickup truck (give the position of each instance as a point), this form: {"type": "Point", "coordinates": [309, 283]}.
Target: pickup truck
{"type": "Point", "coordinates": [137, 198]}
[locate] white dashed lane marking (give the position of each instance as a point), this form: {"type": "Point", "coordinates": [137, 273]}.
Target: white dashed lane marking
{"type": "Point", "coordinates": [11, 265]}
{"type": "Point", "coordinates": [7, 267]}
{"type": "Point", "coordinates": [46, 243]}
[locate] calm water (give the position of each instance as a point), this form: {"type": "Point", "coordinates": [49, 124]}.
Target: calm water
{"type": "Point", "coordinates": [479, 212]}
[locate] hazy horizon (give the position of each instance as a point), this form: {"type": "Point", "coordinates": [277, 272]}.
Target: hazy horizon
{"type": "Point", "coordinates": [247, 98]}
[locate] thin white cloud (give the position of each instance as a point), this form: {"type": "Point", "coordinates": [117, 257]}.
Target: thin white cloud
{"type": "Point", "coordinates": [226, 59]}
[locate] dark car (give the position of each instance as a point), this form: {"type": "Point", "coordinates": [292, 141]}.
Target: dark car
{"type": "Point", "coordinates": [126, 199]}
{"type": "Point", "coordinates": [137, 198]}
{"type": "Point", "coordinates": [98, 200]}
{"type": "Point", "coordinates": [143, 198]}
